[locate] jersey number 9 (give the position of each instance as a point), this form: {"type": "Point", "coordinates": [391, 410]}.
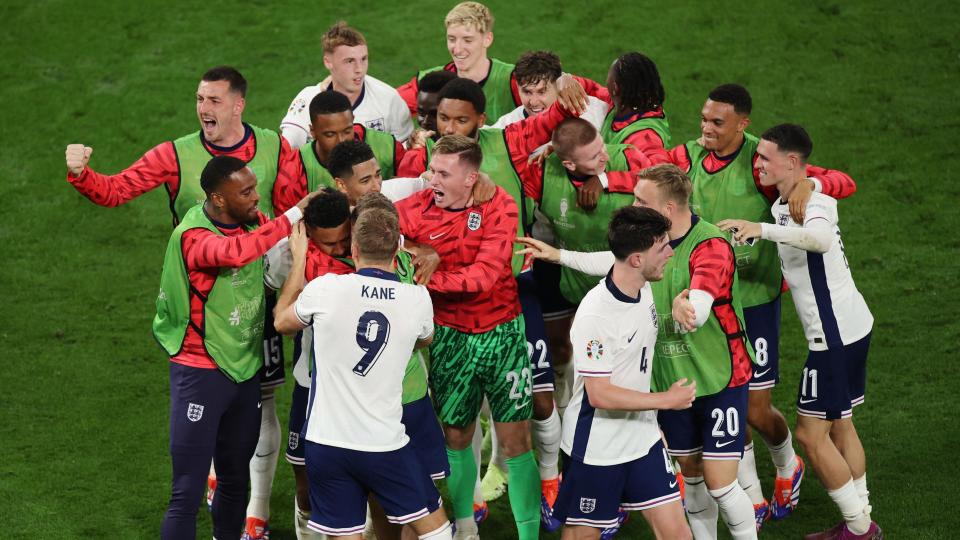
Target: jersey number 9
{"type": "Point", "coordinates": [373, 331]}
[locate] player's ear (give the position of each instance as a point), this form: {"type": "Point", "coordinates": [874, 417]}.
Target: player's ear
{"type": "Point", "coordinates": [569, 165]}
{"type": "Point", "coordinates": [240, 106]}
{"type": "Point", "coordinates": [341, 185]}
{"type": "Point", "coordinates": [472, 178]}
{"type": "Point", "coordinates": [327, 61]}
{"type": "Point", "coordinates": [483, 119]}
{"type": "Point", "coordinates": [487, 40]}
{"type": "Point", "coordinates": [354, 251]}
{"type": "Point", "coordinates": [744, 122]}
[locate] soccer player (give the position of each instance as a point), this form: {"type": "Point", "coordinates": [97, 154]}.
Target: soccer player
{"type": "Point", "coordinates": [375, 103]}
{"type": "Point", "coordinates": [708, 347]}
{"type": "Point", "coordinates": [536, 74]}
{"type": "Point", "coordinates": [365, 327]}
{"type": "Point", "coordinates": [332, 122]}
{"type": "Point", "coordinates": [469, 35]}
{"type": "Point", "coordinates": [636, 115]}
{"type": "Point", "coordinates": [726, 185]}
{"type": "Point", "coordinates": [836, 323]}
{"type": "Point", "coordinates": [210, 317]}
{"type": "Point", "coordinates": [479, 349]}
{"type": "Point", "coordinates": [616, 456]}
{"type": "Point", "coordinates": [505, 152]}
{"type": "Point", "coordinates": [327, 226]}
{"type": "Point", "coordinates": [177, 166]}
{"type": "Point", "coordinates": [428, 99]}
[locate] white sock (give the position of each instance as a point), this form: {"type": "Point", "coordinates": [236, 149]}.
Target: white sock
{"type": "Point", "coordinates": [747, 475]}
{"type": "Point", "coordinates": [852, 507]}
{"type": "Point", "coordinates": [300, 519]}
{"type": "Point", "coordinates": [263, 464]}
{"type": "Point", "coordinates": [701, 508]}
{"type": "Point", "coordinates": [466, 526]}
{"type": "Point", "coordinates": [477, 446]}
{"type": "Point", "coordinates": [862, 491]}
{"type": "Point", "coordinates": [546, 437]}
{"type": "Point", "coordinates": [783, 456]}
{"type": "Point", "coordinates": [443, 533]}
{"type": "Point", "coordinates": [737, 511]}
{"type": "Point", "coordinates": [563, 387]}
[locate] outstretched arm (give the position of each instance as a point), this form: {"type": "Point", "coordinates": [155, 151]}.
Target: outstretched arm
{"type": "Point", "coordinates": [158, 166]}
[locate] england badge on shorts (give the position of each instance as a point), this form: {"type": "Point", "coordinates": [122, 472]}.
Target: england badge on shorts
{"type": "Point", "coordinates": [587, 505]}
{"type": "Point", "coordinates": [194, 412]}
{"type": "Point", "coordinates": [473, 221]}
{"type": "Point", "coordinates": [294, 440]}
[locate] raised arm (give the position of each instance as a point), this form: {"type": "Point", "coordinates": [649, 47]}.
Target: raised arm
{"type": "Point", "coordinates": [158, 166]}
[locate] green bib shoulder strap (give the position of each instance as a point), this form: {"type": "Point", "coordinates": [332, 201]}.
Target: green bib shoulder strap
{"type": "Point", "coordinates": [192, 157]}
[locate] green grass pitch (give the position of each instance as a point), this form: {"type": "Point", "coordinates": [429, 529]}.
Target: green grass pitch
{"type": "Point", "coordinates": [83, 436]}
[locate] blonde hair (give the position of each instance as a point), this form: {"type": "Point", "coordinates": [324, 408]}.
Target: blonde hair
{"type": "Point", "coordinates": [670, 180]}
{"type": "Point", "coordinates": [377, 235]}
{"type": "Point", "coordinates": [341, 34]}
{"type": "Point", "coordinates": [471, 14]}
{"type": "Point", "coordinates": [465, 148]}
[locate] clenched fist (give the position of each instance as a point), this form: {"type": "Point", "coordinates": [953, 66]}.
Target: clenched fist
{"type": "Point", "coordinates": [77, 157]}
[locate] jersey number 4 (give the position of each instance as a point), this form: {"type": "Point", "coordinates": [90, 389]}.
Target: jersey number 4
{"type": "Point", "coordinates": [373, 331]}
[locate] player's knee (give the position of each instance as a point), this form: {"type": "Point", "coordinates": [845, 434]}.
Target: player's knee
{"type": "Point", "coordinates": [515, 444]}
{"type": "Point", "coordinates": [809, 437]}
{"type": "Point", "coordinates": [542, 405]}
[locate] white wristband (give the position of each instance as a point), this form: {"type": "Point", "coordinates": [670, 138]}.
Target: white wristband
{"type": "Point", "coordinates": [294, 214]}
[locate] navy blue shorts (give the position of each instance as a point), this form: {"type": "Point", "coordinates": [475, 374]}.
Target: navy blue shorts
{"type": "Point", "coordinates": [298, 415]}
{"type": "Point", "coordinates": [714, 425]}
{"type": "Point", "coordinates": [552, 301]}
{"type": "Point", "coordinates": [541, 361]}
{"type": "Point", "coordinates": [204, 402]}
{"type": "Point", "coordinates": [419, 419]}
{"type": "Point", "coordinates": [271, 374]}
{"type": "Point", "coordinates": [340, 480]}
{"type": "Point", "coordinates": [426, 437]}
{"type": "Point", "coordinates": [834, 381]}
{"type": "Point", "coordinates": [763, 330]}
{"type": "Point", "coordinates": [592, 495]}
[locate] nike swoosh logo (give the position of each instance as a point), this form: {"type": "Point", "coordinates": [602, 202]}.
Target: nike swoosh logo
{"type": "Point", "coordinates": [539, 374]}
{"type": "Point", "coordinates": [721, 445]}
{"type": "Point", "coordinates": [435, 236]}
{"type": "Point", "coordinates": [673, 484]}
{"type": "Point", "coordinates": [259, 404]}
{"type": "Point", "coordinates": [761, 374]}
{"type": "Point", "coordinates": [805, 401]}
{"type": "Point", "coordinates": [258, 454]}
{"type": "Point", "coordinates": [270, 372]}
{"type": "Point", "coordinates": [518, 407]}
{"type": "Point", "coordinates": [629, 339]}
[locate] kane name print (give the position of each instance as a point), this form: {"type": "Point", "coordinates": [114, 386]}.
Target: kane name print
{"type": "Point", "coordinates": [379, 293]}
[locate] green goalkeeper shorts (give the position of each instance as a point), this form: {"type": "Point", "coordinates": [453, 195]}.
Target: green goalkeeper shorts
{"type": "Point", "coordinates": [466, 367]}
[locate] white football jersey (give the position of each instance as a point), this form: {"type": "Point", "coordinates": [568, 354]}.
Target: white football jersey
{"type": "Point", "coordinates": [380, 107]}
{"type": "Point", "coordinates": [613, 336]}
{"type": "Point", "coordinates": [365, 326]}
{"type": "Point", "coordinates": [830, 307]}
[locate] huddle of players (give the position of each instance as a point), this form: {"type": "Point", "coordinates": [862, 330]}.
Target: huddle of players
{"type": "Point", "coordinates": [705, 310]}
